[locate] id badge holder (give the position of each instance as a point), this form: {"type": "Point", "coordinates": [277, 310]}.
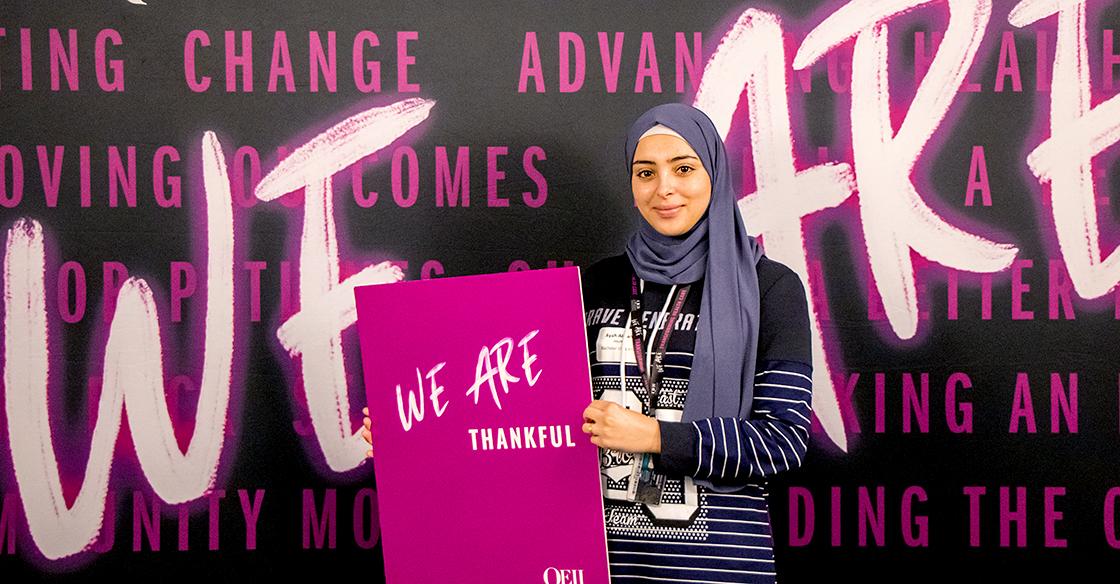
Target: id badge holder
{"type": "Point", "coordinates": [646, 484]}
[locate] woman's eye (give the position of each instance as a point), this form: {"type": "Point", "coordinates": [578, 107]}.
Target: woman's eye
{"type": "Point", "coordinates": [685, 169]}
{"type": "Point", "coordinates": [644, 173]}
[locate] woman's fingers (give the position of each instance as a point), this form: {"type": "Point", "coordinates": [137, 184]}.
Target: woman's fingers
{"type": "Point", "coordinates": [367, 436]}
{"type": "Point", "coordinates": [611, 425]}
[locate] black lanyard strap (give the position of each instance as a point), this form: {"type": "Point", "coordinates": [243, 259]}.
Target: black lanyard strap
{"type": "Point", "coordinates": [652, 379]}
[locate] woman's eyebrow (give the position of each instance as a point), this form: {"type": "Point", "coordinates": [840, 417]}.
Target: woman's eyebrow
{"type": "Point", "coordinates": [674, 159]}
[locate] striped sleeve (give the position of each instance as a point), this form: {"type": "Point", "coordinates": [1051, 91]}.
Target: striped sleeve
{"type": "Point", "coordinates": [735, 451]}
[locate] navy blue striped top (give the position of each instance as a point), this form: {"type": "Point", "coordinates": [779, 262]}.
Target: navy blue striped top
{"type": "Point", "coordinates": [696, 534]}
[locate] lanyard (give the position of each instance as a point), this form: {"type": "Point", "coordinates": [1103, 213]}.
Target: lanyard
{"type": "Point", "coordinates": [651, 378]}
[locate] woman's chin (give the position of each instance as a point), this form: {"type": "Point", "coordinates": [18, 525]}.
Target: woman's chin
{"type": "Point", "coordinates": [672, 228]}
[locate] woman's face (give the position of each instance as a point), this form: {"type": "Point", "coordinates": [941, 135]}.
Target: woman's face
{"type": "Point", "coordinates": [671, 187]}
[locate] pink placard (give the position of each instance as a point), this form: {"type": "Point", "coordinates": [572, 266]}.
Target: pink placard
{"type": "Point", "coordinates": [476, 387]}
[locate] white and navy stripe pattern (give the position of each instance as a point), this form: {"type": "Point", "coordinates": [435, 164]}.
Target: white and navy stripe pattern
{"type": "Point", "coordinates": [696, 534]}
{"type": "Point", "coordinates": [774, 439]}
{"type": "Point", "coordinates": [736, 546]}
{"type": "Point", "coordinates": [729, 538]}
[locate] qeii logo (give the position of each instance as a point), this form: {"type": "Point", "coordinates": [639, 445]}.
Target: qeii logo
{"type": "Point", "coordinates": [559, 576]}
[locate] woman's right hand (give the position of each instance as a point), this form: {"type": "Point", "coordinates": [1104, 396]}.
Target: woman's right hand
{"type": "Point", "coordinates": [366, 432]}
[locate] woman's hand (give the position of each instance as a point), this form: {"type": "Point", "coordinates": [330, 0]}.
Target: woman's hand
{"type": "Point", "coordinates": [613, 426]}
{"type": "Point", "coordinates": [366, 433]}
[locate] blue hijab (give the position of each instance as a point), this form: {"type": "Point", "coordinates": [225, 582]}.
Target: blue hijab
{"type": "Point", "coordinates": [719, 250]}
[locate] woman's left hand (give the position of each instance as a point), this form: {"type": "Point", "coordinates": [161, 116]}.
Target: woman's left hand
{"type": "Point", "coordinates": [613, 426]}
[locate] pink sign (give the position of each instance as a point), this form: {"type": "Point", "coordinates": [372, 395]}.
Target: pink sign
{"type": "Point", "coordinates": [476, 387]}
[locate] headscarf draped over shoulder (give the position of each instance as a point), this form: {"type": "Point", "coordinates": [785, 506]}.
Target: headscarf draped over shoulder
{"type": "Point", "coordinates": [718, 249]}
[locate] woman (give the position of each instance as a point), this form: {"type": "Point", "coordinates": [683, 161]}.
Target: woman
{"type": "Point", "coordinates": [723, 334]}
{"type": "Point", "coordinates": [733, 387]}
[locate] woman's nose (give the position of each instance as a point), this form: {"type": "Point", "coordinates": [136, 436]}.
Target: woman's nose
{"type": "Point", "coordinates": [666, 186]}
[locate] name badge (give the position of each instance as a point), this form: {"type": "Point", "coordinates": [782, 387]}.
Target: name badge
{"type": "Point", "coordinates": [613, 343]}
{"type": "Point", "coordinates": [646, 484]}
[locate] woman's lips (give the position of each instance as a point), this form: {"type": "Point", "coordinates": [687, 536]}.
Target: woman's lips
{"type": "Point", "coordinates": [668, 212]}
